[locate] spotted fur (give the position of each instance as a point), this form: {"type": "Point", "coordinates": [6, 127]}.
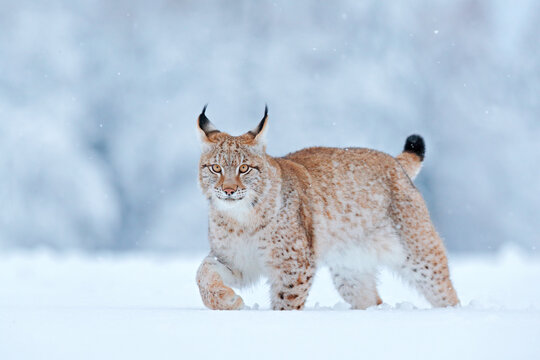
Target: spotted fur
{"type": "Point", "coordinates": [353, 210]}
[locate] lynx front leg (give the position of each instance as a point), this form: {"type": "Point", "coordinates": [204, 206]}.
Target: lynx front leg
{"type": "Point", "coordinates": [291, 281]}
{"type": "Point", "coordinates": [214, 293]}
{"type": "Point", "coordinates": [290, 290]}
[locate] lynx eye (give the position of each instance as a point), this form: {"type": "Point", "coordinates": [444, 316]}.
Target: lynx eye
{"type": "Point", "coordinates": [216, 168]}
{"type": "Point", "coordinates": [243, 168]}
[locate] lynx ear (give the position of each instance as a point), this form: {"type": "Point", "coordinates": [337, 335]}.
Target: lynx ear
{"type": "Point", "coordinates": [260, 130]}
{"type": "Point", "coordinates": [205, 127]}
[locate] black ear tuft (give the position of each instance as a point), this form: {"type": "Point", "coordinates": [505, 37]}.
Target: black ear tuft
{"type": "Point", "coordinates": [205, 124]}
{"type": "Point", "coordinates": [415, 144]}
{"type": "Point", "coordinates": [203, 120]}
{"type": "Point", "coordinates": [263, 121]}
{"type": "Point", "coordinates": [260, 127]}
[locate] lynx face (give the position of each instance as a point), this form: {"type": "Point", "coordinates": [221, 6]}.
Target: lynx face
{"type": "Point", "coordinates": [231, 171]}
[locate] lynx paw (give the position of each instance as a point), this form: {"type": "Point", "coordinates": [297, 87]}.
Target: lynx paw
{"type": "Point", "coordinates": [222, 298]}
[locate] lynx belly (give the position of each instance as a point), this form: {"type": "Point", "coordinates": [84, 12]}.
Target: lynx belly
{"type": "Point", "coordinates": [351, 246]}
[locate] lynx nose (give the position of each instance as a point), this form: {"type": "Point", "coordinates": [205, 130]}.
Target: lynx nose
{"type": "Point", "coordinates": [229, 190]}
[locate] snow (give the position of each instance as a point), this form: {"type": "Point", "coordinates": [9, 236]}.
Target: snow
{"type": "Point", "coordinates": [75, 306]}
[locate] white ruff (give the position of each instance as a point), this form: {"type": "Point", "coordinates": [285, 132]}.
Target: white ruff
{"type": "Point", "coordinates": [239, 210]}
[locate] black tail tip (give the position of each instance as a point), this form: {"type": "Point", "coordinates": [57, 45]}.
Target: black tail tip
{"type": "Point", "coordinates": [415, 144]}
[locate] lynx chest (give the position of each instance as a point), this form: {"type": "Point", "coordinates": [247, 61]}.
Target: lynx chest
{"type": "Point", "coordinates": [241, 251]}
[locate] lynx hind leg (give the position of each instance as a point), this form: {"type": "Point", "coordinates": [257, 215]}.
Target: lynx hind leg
{"type": "Point", "coordinates": [428, 272]}
{"type": "Point", "coordinates": [214, 293]}
{"type": "Point", "coordinates": [355, 287]}
{"type": "Point", "coordinates": [425, 265]}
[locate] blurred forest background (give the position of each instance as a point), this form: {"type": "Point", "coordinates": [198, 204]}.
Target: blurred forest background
{"type": "Point", "coordinates": [98, 102]}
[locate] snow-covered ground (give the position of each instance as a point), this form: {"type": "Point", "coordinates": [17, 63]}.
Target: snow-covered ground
{"type": "Point", "coordinates": [147, 307]}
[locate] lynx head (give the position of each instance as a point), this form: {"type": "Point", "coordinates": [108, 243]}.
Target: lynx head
{"type": "Point", "coordinates": [233, 169]}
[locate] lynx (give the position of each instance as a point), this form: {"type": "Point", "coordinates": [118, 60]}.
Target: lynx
{"type": "Point", "coordinates": [352, 210]}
